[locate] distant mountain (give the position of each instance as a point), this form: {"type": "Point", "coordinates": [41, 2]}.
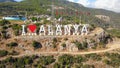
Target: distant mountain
{"type": "Point", "coordinates": [70, 6]}
{"type": "Point", "coordinates": [7, 1]}
{"type": "Point", "coordinates": [10, 7]}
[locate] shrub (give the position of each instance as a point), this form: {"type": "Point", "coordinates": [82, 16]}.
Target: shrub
{"type": "Point", "coordinates": [66, 59]}
{"type": "Point", "coordinates": [88, 66]}
{"type": "Point", "coordinates": [4, 22]}
{"type": "Point", "coordinates": [65, 39]}
{"type": "Point", "coordinates": [56, 65]}
{"type": "Point", "coordinates": [114, 32]}
{"type": "Point", "coordinates": [34, 18]}
{"type": "Point", "coordinates": [4, 36]}
{"type": "Point", "coordinates": [28, 60]}
{"type": "Point", "coordinates": [106, 61]}
{"type": "Point", "coordinates": [114, 59]}
{"type": "Point", "coordinates": [78, 65]}
{"type": "Point", "coordinates": [54, 45]}
{"type": "Point", "coordinates": [16, 32]}
{"type": "Point", "coordinates": [2, 66]}
{"type": "Point", "coordinates": [79, 59]}
{"type": "Point", "coordinates": [10, 60]}
{"type": "Point", "coordinates": [13, 53]}
{"type": "Point", "coordinates": [16, 29]}
{"type": "Point", "coordinates": [20, 61]}
{"type": "Point", "coordinates": [5, 27]}
{"type": "Point", "coordinates": [39, 66]}
{"type": "Point", "coordinates": [64, 45]}
{"type": "Point", "coordinates": [85, 44]}
{"type": "Point", "coordinates": [12, 44]}
{"type": "Point", "coordinates": [46, 60]}
{"type": "Point", "coordinates": [54, 40]}
{"type": "Point", "coordinates": [79, 45]}
{"type": "Point", "coordinates": [3, 53]}
{"type": "Point", "coordinates": [93, 56]}
{"type": "Point", "coordinates": [36, 44]}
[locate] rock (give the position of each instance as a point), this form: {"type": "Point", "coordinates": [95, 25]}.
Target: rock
{"type": "Point", "coordinates": [73, 47]}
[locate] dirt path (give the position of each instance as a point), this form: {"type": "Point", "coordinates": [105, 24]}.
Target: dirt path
{"type": "Point", "coordinates": [111, 46]}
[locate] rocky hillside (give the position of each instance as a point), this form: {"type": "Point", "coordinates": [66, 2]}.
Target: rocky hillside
{"type": "Point", "coordinates": [41, 7]}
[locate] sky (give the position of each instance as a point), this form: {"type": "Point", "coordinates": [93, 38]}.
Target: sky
{"type": "Point", "coordinates": [113, 5]}
{"type": "Point", "coordinates": [18, 0]}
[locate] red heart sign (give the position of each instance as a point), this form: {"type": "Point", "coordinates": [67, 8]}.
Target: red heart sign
{"type": "Point", "coordinates": [32, 28]}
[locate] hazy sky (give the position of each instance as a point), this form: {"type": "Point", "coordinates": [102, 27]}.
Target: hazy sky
{"type": "Point", "coordinates": [113, 5]}
{"type": "Point", "coordinates": [18, 0]}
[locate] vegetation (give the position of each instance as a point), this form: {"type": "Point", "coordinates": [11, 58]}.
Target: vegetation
{"type": "Point", "coordinates": [105, 40]}
{"type": "Point", "coordinates": [3, 53]}
{"type": "Point", "coordinates": [34, 19]}
{"type": "Point", "coordinates": [115, 32]}
{"type": "Point", "coordinates": [16, 29]}
{"type": "Point", "coordinates": [93, 56]}
{"type": "Point", "coordinates": [13, 52]}
{"type": "Point", "coordinates": [57, 65]}
{"type": "Point", "coordinates": [64, 45]}
{"type": "Point", "coordinates": [81, 46]}
{"type": "Point", "coordinates": [88, 66]}
{"type": "Point", "coordinates": [65, 39]}
{"type": "Point", "coordinates": [46, 60]}
{"type": "Point", "coordinates": [4, 22]}
{"type": "Point", "coordinates": [55, 40]}
{"type": "Point", "coordinates": [40, 7]}
{"type": "Point", "coordinates": [4, 34]}
{"type": "Point", "coordinates": [80, 59]}
{"type": "Point", "coordinates": [113, 59]}
{"type": "Point", "coordinates": [12, 44]}
{"type": "Point", "coordinates": [64, 61]}
{"type": "Point", "coordinates": [36, 44]}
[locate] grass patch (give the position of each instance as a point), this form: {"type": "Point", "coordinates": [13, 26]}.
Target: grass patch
{"type": "Point", "coordinates": [114, 32]}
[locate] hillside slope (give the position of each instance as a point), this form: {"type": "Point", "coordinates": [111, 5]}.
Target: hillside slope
{"type": "Point", "coordinates": [7, 1]}
{"type": "Point", "coordinates": [40, 7]}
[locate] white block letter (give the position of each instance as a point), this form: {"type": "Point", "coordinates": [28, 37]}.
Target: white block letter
{"type": "Point", "coordinates": [42, 30]}
{"type": "Point", "coordinates": [84, 30]}
{"type": "Point", "coordinates": [58, 30]}
{"type": "Point", "coordinates": [67, 29]}
{"type": "Point", "coordinates": [23, 30]}
{"type": "Point", "coordinates": [76, 27]}
{"type": "Point", "coordinates": [50, 30]}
